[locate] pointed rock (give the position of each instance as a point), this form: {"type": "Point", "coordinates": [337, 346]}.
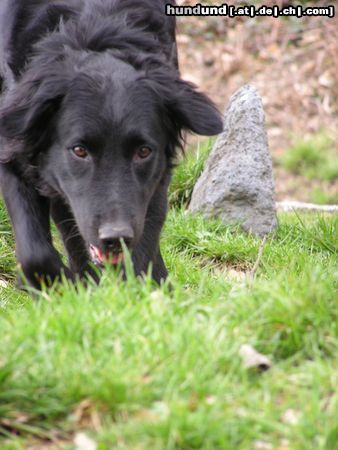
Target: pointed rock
{"type": "Point", "coordinates": [237, 183]}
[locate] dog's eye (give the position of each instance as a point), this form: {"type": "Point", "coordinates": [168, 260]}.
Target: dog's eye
{"type": "Point", "coordinates": [143, 153]}
{"type": "Point", "coordinates": [80, 151]}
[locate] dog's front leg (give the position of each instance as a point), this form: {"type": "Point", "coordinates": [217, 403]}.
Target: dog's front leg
{"type": "Point", "coordinates": [148, 251]}
{"type": "Point", "coordinates": [29, 213]}
{"type": "Point", "coordinates": [160, 272]}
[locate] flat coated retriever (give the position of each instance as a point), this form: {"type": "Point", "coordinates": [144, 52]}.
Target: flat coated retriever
{"type": "Point", "coordinates": [91, 116]}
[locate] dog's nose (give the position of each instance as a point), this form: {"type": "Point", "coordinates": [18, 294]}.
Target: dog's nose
{"type": "Point", "coordinates": [111, 236]}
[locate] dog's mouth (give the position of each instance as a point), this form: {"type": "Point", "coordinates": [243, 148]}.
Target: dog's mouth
{"type": "Point", "coordinates": [101, 258]}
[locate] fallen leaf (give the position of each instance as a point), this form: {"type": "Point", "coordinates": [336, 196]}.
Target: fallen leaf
{"type": "Point", "coordinates": [3, 283]}
{"type": "Point", "coordinates": [82, 410]}
{"type": "Point", "coordinates": [252, 359]}
{"type": "Point", "coordinates": [210, 400]}
{"type": "Point", "coordinates": [86, 416]}
{"type": "Point", "coordinates": [262, 445]}
{"type": "Point", "coordinates": [158, 304]}
{"type": "Point", "coordinates": [83, 442]}
{"type": "Point", "coordinates": [284, 445]}
{"type": "Point", "coordinates": [291, 417]}
{"type": "Point", "coordinates": [161, 409]}
{"type": "Point", "coordinates": [237, 275]}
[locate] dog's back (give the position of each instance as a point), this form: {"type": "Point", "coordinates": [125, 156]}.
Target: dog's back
{"type": "Point", "coordinates": [23, 23]}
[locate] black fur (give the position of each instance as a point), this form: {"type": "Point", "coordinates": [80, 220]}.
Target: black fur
{"type": "Point", "coordinates": [102, 74]}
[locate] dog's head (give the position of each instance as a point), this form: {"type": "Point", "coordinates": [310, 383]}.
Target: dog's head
{"type": "Point", "coordinates": [103, 136]}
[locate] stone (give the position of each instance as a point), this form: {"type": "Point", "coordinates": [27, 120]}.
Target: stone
{"type": "Point", "coordinates": [237, 184]}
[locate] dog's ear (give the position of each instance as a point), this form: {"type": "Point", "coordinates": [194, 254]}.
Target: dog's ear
{"type": "Point", "coordinates": [189, 109]}
{"type": "Point", "coordinates": [28, 110]}
{"type": "Point", "coordinates": [193, 110]}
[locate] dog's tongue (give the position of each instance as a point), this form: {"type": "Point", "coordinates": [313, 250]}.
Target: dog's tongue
{"type": "Point", "coordinates": [99, 257]}
{"type": "Point", "coordinates": [114, 258]}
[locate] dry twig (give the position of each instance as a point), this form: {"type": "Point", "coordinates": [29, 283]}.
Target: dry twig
{"type": "Point", "coordinates": [258, 260]}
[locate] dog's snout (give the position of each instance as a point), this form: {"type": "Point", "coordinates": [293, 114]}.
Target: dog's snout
{"type": "Point", "coordinates": [111, 236]}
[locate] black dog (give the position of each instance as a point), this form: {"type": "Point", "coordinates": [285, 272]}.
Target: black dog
{"type": "Point", "coordinates": [92, 114]}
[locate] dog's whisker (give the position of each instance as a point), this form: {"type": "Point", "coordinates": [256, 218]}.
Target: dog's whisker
{"type": "Point", "coordinates": [72, 236]}
{"type": "Point", "coordinates": [66, 221]}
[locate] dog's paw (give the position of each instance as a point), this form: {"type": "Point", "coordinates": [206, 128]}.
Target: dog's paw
{"type": "Point", "coordinates": [41, 271]}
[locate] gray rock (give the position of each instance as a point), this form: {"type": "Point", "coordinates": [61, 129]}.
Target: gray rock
{"type": "Point", "coordinates": [237, 183]}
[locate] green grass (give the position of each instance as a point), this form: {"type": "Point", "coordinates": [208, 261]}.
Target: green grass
{"type": "Point", "coordinates": [139, 368]}
{"type": "Point", "coordinates": [315, 157]}
{"type": "Point", "coordinates": [186, 174]}
{"type": "Point", "coordinates": [322, 197]}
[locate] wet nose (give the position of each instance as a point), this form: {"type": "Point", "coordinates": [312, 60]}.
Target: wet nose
{"type": "Point", "coordinates": [111, 235]}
